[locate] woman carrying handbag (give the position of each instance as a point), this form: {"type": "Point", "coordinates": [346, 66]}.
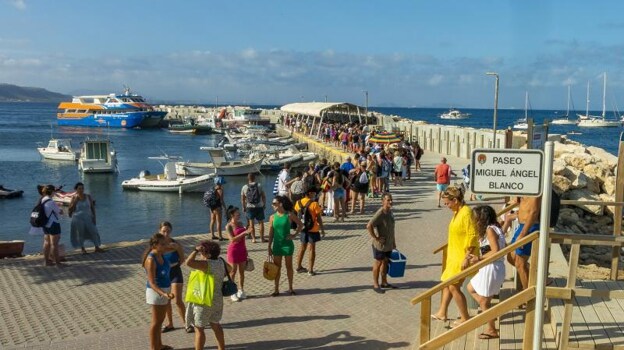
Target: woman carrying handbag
{"type": "Point", "coordinates": [281, 241]}
{"type": "Point", "coordinates": [237, 250]}
{"type": "Point", "coordinates": [202, 316]}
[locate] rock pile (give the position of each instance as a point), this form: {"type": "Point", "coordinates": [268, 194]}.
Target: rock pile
{"type": "Point", "coordinates": [585, 174]}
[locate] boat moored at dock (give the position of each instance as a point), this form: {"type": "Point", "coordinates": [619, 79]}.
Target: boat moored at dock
{"type": "Point", "coordinates": [125, 110]}
{"type": "Point", "coordinates": [97, 156]}
{"type": "Point", "coordinates": [58, 149]}
{"type": "Point", "coordinates": [168, 181]}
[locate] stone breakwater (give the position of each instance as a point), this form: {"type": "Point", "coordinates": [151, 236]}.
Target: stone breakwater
{"type": "Point", "coordinates": [585, 174]}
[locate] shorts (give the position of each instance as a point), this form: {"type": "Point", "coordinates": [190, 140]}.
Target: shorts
{"type": "Point", "coordinates": [215, 208]}
{"type": "Point", "coordinates": [309, 237]}
{"type": "Point", "coordinates": [381, 255]}
{"type": "Point", "coordinates": [255, 214]}
{"type": "Point", "coordinates": [397, 173]}
{"type": "Point", "coordinates": [53, 230]}
{"type": "Point", "coordinates": [525, 250]}
{"type": "Point", "coordinates": [339, 193]}
{"type": "Point", "coordinates": [152, 298]}
{"type": "Point", "coordinates": [441, 187]}
{"type": "Point", "coordinates": [175, 274]}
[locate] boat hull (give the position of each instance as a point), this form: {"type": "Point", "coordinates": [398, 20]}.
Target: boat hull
{"type": "Point", "coordinates": [55, 155]}
{"type": "Point", "coordinates": [563, 122]}
{"type": "Point", "coordinates": [196, 184]}
{"type": "Point", "coordinates": [152, 119]}
{"type": "Point", "coordinates": [232, 169]}
{"type": "Point", "coordinates": [121, 120]}
{"type": "Point", "coordinates": [593, 123]}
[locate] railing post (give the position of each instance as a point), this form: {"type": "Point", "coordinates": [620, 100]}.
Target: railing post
{"type": "Point", "coordinates": [529, 318]}
{"type": "Point", "coordinates": [425, 321]}
{"type": "Point", "coordinates": [571, 283]}
{"type": "Point", "coordinates": [617, 210]}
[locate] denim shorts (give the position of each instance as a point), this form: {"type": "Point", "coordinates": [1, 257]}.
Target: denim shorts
{"type": "Point", "coordinates": [55, 229]}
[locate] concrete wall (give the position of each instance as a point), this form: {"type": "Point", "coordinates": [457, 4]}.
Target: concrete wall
{"type": "Point", "coordinates": [449, 140]}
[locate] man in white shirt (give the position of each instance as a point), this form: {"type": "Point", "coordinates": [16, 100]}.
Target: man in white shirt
{"type": "Point", "coordinates": [283, 178]}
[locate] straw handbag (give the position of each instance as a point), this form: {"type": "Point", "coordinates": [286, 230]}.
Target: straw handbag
{"type": "Point", "coordinates": [270, 269]}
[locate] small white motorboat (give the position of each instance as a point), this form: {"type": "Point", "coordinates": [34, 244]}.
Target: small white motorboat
{"type": "Point", "coordinates": [220, 163]}
{"type": "Point", "coordinates": [58, 149]}
{"type": "Point", "coordinates": [168, 181]}
{"type": "Point", "coordinates": [454, 114]}
{"type": "Point", "coordinates": [9, 193]}
{"type": "Point", "coordinates": [97, 156]}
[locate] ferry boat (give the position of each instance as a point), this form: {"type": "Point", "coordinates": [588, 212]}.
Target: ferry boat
{"type": "Point", "coordinates": [125, 110]}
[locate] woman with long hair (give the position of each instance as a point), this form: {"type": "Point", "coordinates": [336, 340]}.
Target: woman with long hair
{"type": "Point", "coordinates": [201, 316]}
{"type": "Point", "coordinates": [158, 292]}
{"type": "Point", "coordinates": [488, 281]}
{"type": "Point", "coordinates": [340, 194]}
{"type": "Point", "coordinates": [52, 228]}
{"type": "Point", "coordinates": [281, 241]}
{"type": "Point", "coordinates": [174, 254]}
{"type": "Point", "coordinates": [462, 242]}
{"type": "Point", "coordinates": [237, 250]}
{"type": "Point", "coordinates": [82, 214]}
{"type": "Point", "coordinates": [216, 210]}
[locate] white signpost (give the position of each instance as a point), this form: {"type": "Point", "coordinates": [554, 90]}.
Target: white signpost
{"type": "Point", "coordinates": [507, 172]}
{"type": "Point", "coordinates": [520, 173]}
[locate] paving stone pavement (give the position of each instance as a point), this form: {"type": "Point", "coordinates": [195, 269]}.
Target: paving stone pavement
{"type": "Point", "coordinates": [97, 302]}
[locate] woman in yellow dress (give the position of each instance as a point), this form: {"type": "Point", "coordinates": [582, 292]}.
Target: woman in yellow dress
{"type": "Point", "coordinates": [462, 241]}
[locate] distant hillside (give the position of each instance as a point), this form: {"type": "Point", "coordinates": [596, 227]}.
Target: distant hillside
{"type": "Point", "coordinates": [14, 93]}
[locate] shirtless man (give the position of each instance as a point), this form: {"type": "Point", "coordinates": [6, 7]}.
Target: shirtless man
{"type": "Point", "coordinates": [528, 217]}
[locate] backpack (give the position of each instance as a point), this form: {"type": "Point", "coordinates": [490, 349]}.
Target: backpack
{"type": "Point", "coordinates": [38, 217]}
{"type": "Point", "coordinates": [253, 194]}
{"type": "Point", "coordinates": [309, 182]}
{"type": "Point", "coordinates": [555, 207]}
{"type": "Point", "coordinates": [211, 198]}
{"type": "Point", "coordinates": [363, 179]}
{"type": "Point", "coordinates": [305, 216]}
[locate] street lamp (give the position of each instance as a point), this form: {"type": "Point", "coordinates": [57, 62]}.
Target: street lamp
{"type": "Point", "coordinates": [326, 98]}
{"type": "Point", "coordinates": [495, 107]}
{"type": "Point", "coordinates": [366, 105]}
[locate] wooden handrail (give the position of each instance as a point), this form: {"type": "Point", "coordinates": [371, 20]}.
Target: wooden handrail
{"type": "Point", "coordinates": [603, 203]}
{"type": "Point", "coordinates": [586, 239]}
{"type": "Point", "coordinates": [480, 319]}
{"type": "Point", "coordinates": [474, 268]}
{"type": "Point", "coordinates": [502, 212]}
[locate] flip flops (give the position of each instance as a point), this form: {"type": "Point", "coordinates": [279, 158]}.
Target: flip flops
{"type": "Point", "coordinates": [486, 336]}
{"type": "Point", "coordinates": [435, 317]}
{"type": "Point", "coordinates": [166, 329]}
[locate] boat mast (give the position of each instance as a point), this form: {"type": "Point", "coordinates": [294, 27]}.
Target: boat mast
{"type": "Point", "coordinates": [604, 96]}
{"type": "Point", "coordinates": [587, 104]}
{"type": "Point", "coordinates": [526, 106]}
{"type": "Point", "coordinates": [568, 110]}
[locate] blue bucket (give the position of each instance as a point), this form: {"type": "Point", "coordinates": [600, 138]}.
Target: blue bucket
{"type": "Point", "coordinates": [396, 265]}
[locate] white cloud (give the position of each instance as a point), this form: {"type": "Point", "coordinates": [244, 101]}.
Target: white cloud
{"type": "Point", "coordinates": [18, 4]}
{"type": "Point", "coordinates": [281, 76]}
{"type": "Point", "coordinates": [435, 80]}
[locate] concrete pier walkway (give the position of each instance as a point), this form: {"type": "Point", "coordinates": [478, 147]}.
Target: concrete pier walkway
{"type": "Point", "coordinates": [97, 302]}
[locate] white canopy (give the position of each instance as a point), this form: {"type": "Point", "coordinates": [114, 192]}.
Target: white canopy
{"type": "Point", "coordinates": [317, 109]}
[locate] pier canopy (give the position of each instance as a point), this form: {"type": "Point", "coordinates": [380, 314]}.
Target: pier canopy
{"type": "Point", "coordinates": [318, 109]}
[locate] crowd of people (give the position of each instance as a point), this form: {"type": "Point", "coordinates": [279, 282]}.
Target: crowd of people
{"type": "Point", "coordinates": [302, 199]}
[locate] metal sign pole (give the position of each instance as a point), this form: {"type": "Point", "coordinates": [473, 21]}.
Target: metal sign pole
{"type": "Point", "coordinates": [542, 260]}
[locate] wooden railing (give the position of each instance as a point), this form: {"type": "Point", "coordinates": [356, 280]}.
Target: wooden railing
{"type": "Point", "coordinates": [425, 299]}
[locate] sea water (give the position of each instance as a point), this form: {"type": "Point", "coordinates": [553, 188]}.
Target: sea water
{"type": "Point", "coordinates": [129, 215]}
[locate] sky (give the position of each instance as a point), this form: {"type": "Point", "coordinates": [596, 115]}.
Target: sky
{"type": "Point", "coordinates": [404, 53]}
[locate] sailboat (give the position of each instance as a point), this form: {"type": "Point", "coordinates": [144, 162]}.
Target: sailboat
{"type": "Point", "coordinates": [565, 120]}
{"type": "Point", "coordinates": [594, 122]}
{"type": "Point", "coordinates": [523, 123]}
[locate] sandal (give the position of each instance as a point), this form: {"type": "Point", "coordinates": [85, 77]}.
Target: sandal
{"type": "Point", "coordinates": [487, 336]}
{"type": "Point", "coordinates": [388, 286]}
{"type": "Point", "coordinates": [166, 329]}
{"type": "Point", "coordinates": [166, 347]}
{"type": "Point", "coordinates": [190, 329]}
{"type": "Point", "coordinates": [275, 294]}
{"type": "Point", "coordinates": [437, 318]}
{"type": "Point", "coordinates": [292, 292]}
{"type": "Point", "coordinates": [214, 237]}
